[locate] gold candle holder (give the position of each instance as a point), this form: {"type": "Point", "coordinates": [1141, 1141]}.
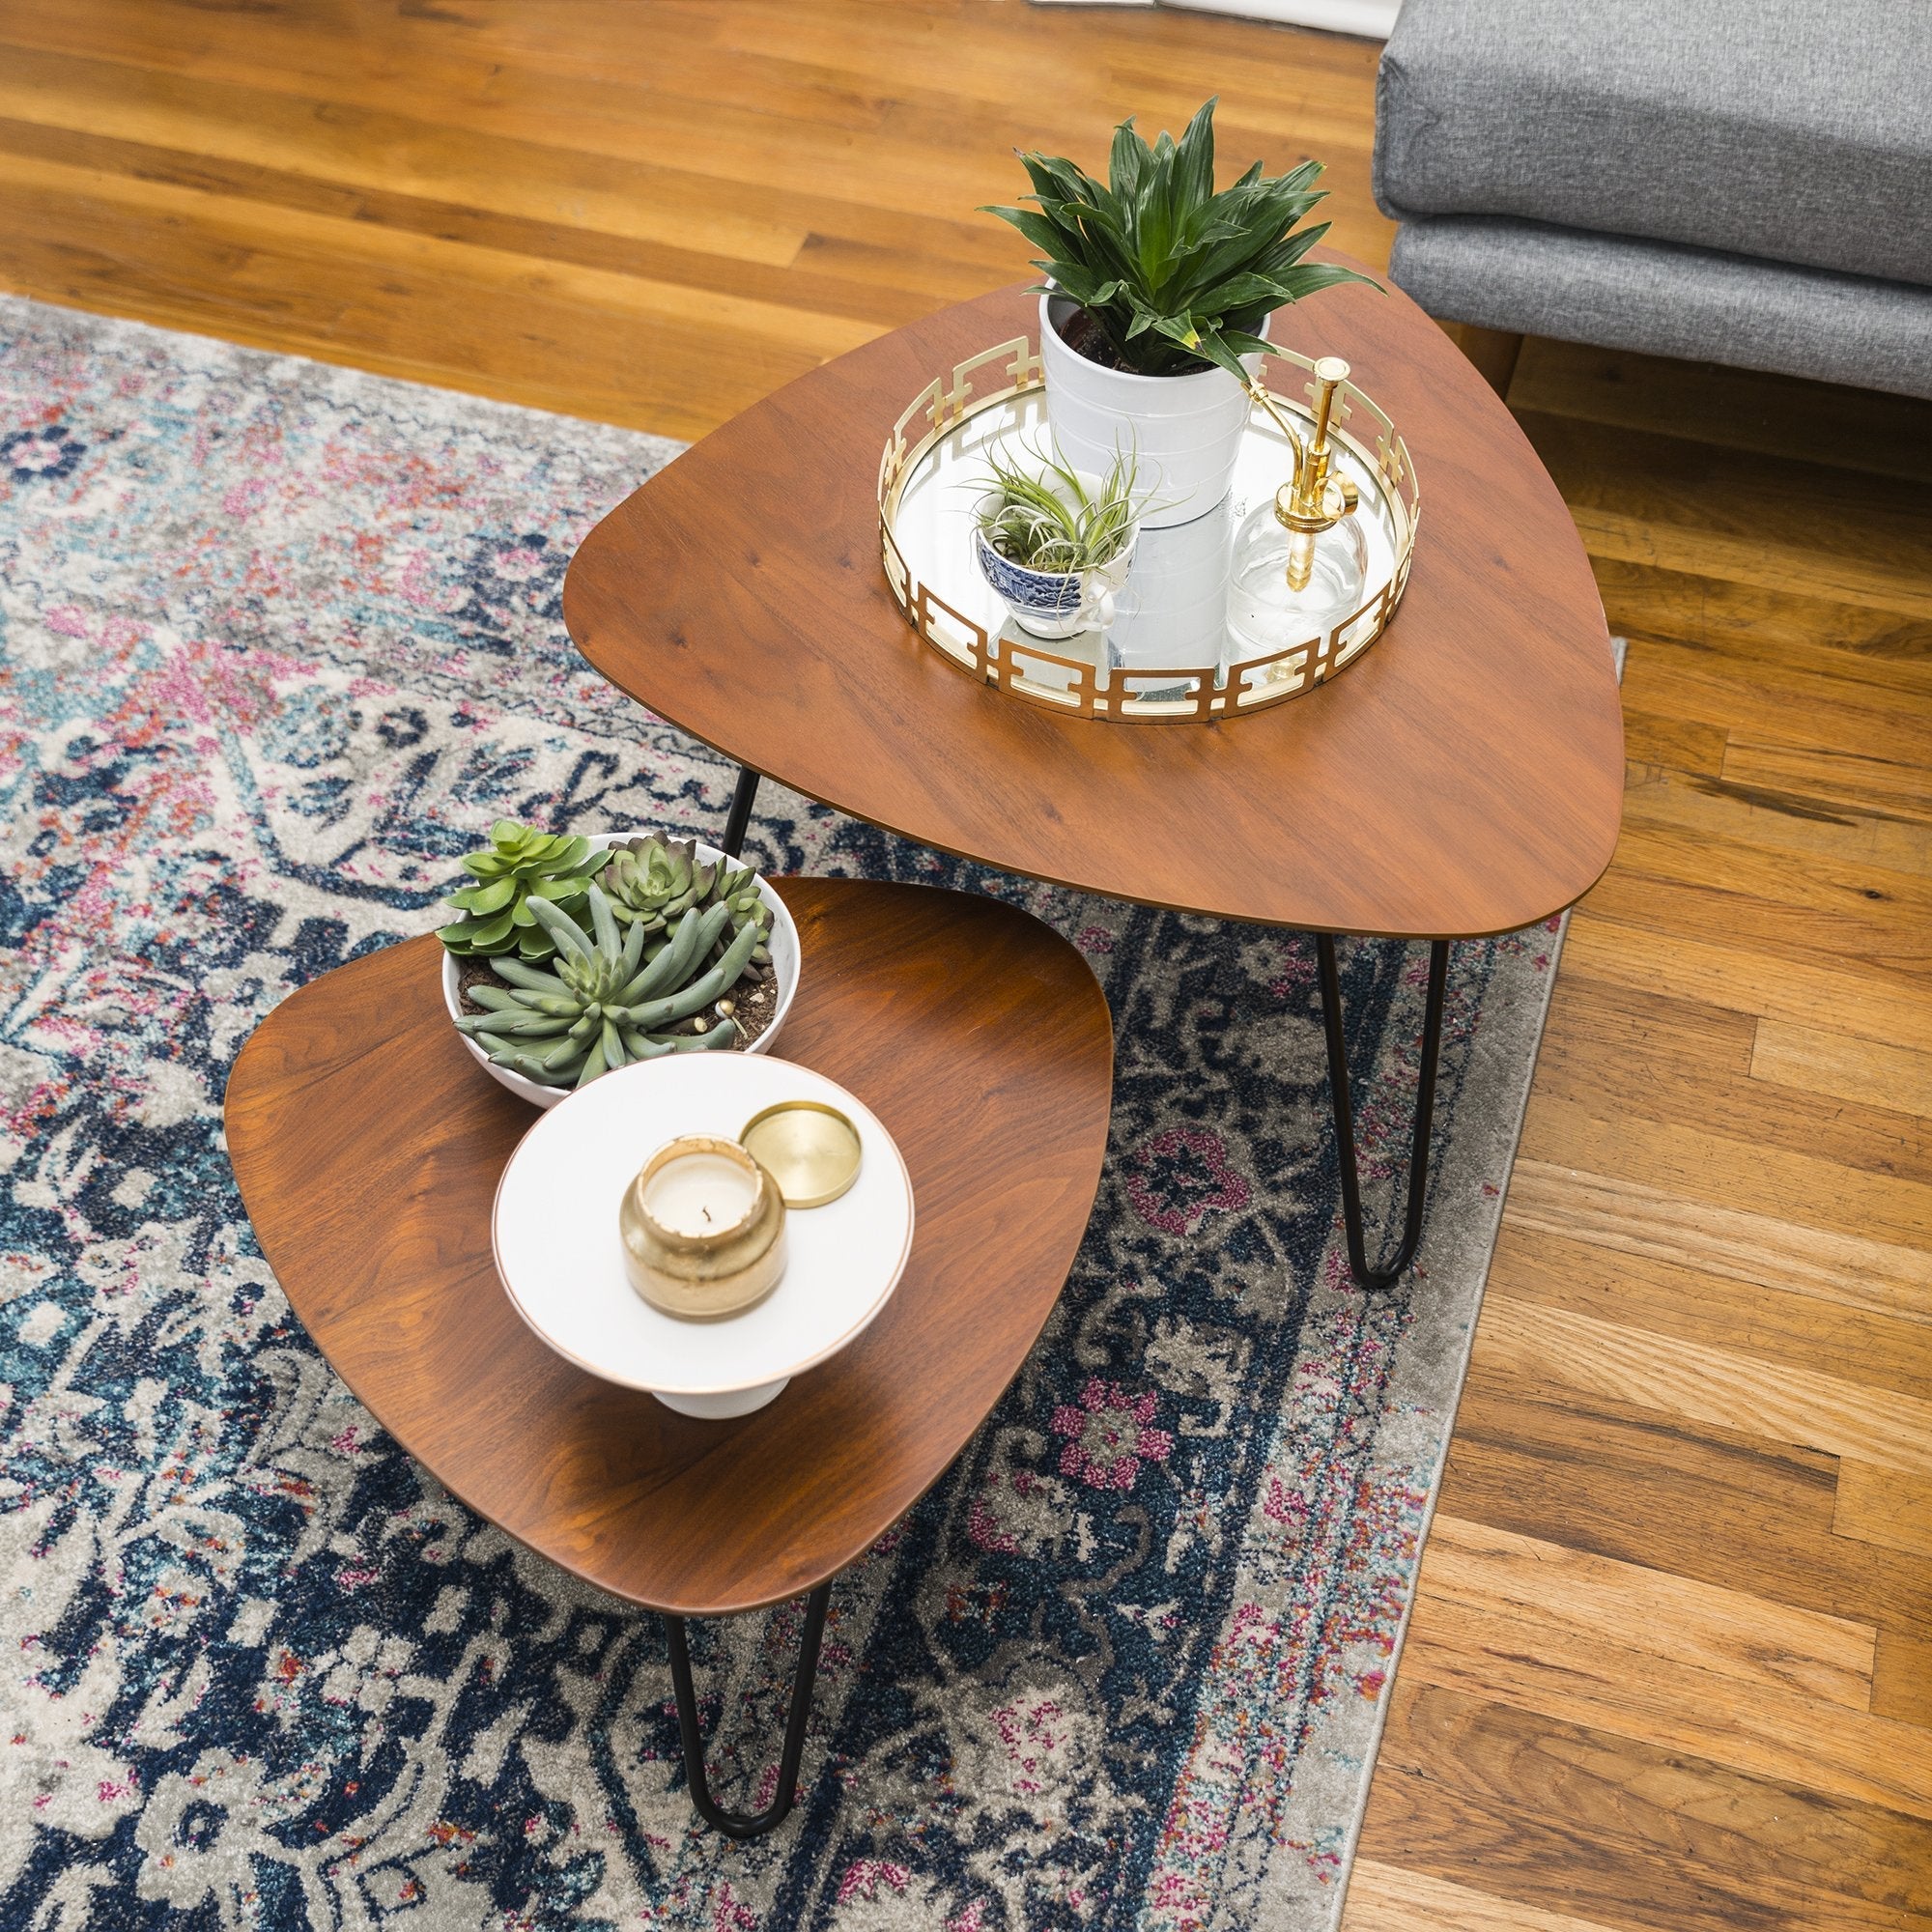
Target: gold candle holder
{"type": "Point", "coordinates": [703, 1229]}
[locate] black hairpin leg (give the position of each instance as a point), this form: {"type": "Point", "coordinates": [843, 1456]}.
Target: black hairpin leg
{"type": "Point", "coordinates": [1344, 1117]}
{"type": "Point", "coordinates": [736, 1824]}
{"type": "Point", "coordinates": [739, 820]}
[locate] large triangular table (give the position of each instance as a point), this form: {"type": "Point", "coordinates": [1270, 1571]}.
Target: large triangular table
{"type": "Point", "coordinates": [1464, 778]}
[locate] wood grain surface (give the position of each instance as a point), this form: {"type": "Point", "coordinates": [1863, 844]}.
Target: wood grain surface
{"type": "Point", "coordinates": [1465, 777]}
{"type": "Point", "coordinates": [538, 205]}
{"type": "Point", "coordinates": [367, 1144]}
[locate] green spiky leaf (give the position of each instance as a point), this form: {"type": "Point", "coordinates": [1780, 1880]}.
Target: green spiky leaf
{"type": "Point", "coordinates": [1178, 276]}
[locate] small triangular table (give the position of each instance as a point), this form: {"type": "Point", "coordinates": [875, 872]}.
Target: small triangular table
{"type": "Point", "coordinates": [367, 1146]}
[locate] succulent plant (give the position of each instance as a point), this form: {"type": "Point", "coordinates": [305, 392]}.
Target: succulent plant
{"type": "Point", "coordinates": [653, 881]}
{"type": "Point", "coordinates": [520, 869]}
{"type": "Point", "coordinates": [608, 999]}
{"type": "Point", "coordinates": [740, 892]}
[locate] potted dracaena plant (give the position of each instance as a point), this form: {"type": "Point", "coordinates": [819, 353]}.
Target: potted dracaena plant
{"type": "Point", "coordinates": [1152, 319]}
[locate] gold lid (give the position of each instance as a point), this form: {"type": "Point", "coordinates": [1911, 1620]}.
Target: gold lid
{"type": "Point", "coordinates": [811, 1150]}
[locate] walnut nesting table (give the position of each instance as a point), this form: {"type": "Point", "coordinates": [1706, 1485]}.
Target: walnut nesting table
{"type": "Point", "coordinates": [1464, 778]}
{"type": "Point", "coordinates": [367, 1146]}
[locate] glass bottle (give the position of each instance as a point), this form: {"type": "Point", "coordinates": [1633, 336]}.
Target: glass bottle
{"type": "Point", "coordinates": [1300, 560]}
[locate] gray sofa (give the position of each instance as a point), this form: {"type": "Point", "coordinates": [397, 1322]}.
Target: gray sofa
{"type": "Point", "coordinates": [1745, 182]}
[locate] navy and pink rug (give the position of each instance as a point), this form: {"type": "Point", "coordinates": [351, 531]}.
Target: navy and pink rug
{"type": "Point", "coordinates": [277, 642]}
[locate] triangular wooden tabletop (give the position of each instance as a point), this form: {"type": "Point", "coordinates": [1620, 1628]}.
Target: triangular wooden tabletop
{"type": "Point", "coordinates": [1465, 777]}
{"type": "Point", "coordinates": [367, 1146]}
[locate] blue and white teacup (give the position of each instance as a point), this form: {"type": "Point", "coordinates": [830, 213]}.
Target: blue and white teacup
{"type": "Point", "coordinates": [1052, 604]}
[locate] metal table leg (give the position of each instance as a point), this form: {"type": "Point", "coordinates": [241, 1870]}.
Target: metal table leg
{"type": "Point", "coordinates": [739, 820]}
{"type": "Point", "coordinates": [737, 1824]}
{"type": "Point", "coordinates": [1345, 1119]}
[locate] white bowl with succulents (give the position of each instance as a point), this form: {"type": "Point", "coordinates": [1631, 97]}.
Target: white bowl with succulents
{"type": "Point", "coordinates": [576, 953]}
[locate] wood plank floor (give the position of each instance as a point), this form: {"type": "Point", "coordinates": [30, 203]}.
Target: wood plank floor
{"type": "Point", "coordinates": [1672, 1661]}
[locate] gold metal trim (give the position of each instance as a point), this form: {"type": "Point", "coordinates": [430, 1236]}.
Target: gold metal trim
{"type": "Point", "coordinates": [1251, 684]}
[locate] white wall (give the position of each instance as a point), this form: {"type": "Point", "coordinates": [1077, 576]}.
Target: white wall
{"type": "Point", "coordinates": [1371, 19]}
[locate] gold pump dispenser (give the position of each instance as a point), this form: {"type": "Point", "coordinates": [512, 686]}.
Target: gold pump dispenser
{"type": "Point", "coordinates": [1299, 560]}
{"type": "Point", "coordinates": [1314, 498]}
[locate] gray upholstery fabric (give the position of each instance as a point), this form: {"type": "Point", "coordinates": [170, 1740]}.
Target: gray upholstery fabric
{"type": "Point", "coordinates": [1662, 300]}
{"type": "Point", "coordinates": [1798, 131]}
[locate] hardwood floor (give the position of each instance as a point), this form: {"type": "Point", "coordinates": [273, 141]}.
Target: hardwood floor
{"type": "Point", "coordinates": [1671, 1665]}
{"type": "Point", "coordinates": [648, 213]}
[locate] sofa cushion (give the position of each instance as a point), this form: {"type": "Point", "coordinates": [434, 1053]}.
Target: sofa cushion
{"type": "Point", "coordinates": [1662, 298]}
{"type": "Point", "coordinates": [1780, 128]}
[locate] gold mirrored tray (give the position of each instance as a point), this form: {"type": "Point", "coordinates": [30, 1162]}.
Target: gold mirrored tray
{"type": "Point", "coordinates": [1169, 654]}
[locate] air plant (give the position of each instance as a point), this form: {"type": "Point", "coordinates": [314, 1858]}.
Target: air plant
{"type": "Point", "coordinates": [1044, 515]}
{"type": "Point", "coordinates": [520, 869]}
{"type": "Point", "coordinates": [610, 997]}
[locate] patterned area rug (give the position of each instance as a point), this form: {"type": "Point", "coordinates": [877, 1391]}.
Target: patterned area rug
{"type": "Point", "coordinates": [279, 642]}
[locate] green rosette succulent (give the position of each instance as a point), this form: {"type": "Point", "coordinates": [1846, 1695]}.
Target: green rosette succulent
{"type": "Point", "coordinates": [740, 892]}
{"type": "Point", "coordinates": [519, 870]}
{"type": "Point", "coordinates": [654, 881]}
{"type": "Point", "coordinates": [607, 1000]}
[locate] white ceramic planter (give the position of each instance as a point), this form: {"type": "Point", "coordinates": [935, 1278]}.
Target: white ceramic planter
{"type": "Point", "coordinates": [1187, 430]}
{"type": "Point", "coordinates": [784, 961]}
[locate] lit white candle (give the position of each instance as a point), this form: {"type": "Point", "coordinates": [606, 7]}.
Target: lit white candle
{"type": "Point", "coordinates": [698, 1194]}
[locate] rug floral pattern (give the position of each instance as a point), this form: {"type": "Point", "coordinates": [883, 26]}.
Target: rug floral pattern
{"type": "Point", "coordinates": [276, 643]}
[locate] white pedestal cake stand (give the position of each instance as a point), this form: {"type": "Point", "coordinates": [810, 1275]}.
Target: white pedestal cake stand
{"type": "Point", "coordinates": [558, 1249]}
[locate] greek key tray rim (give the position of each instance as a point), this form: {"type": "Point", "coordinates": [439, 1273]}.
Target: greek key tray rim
{"type": "Point", "coordinates": [1250, 684]}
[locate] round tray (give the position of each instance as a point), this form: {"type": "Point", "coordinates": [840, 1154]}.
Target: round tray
{"type": "Point", "coordinates": [558, 1252]}
{"type": "Point", "coordinates": [1168, 655]}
